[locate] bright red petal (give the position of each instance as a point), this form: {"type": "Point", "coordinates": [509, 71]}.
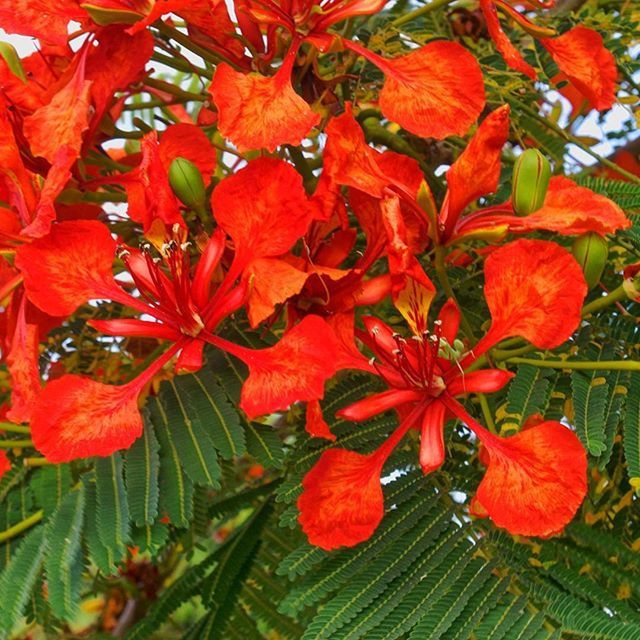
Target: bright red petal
{"type": "Point", "coordinates": [342, 502]}
{"type": "Point", "coordinates": [315, 425]}
{"type": "Point", "coordinates": [63, 121]}
{"type": "Point", "coordinates": [534, 289]}
{"type": "Point", "coordinates": [570, 210]}
{"type": "Point", "coordinates": [293, 370]}
{"type": "Point", "coordinates": [263, 207]}
{"type": "Point", "coordinates": [190, 142]}
{"type": "Point", "coordinates": [46, 20]}
{"type": "Point", "coordinates": [77, 418]}
{"type": "Point", "coordinates": [484, 381]}
{"type": "Point", "coordinates": [535, 481]}
{"type": "Point", "coordinates": [432, 449]}
{"type": "Point", "coordinates": [70, 266]}
{"type": "Point", "coordinates": [259, 112]}
{"type": "Point", "coordinates": [273, 282]}
{"type": "Point", "coordinates": [22, 363]}
{"type": "Point", "coordinates": [476, 172]}
{"type": "Point", "coordinates": [591, 68]}
{"type": "Point", "coordinates": [511, 55]}
{"type": "Point", "coordinates": [435, 92]}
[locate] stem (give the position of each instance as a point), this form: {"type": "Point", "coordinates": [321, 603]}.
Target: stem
{"type": "Point", "coordinates": [614, 296]}
{"type": "Point", "coordinates": [36, 462]}
{"type": "Point", "coordinates": [446, 286]}
{"type": "Point", "coordinates": [14, 428]}
{"type": "Point", "coordinates": [432, 6]}
{"type": "Point", "coordinates": [25, 524]}
{"type": "Point", "coordinates": [604, 365]}
{"type": "Point", "coordinates": [486, 412]}
{"type": "Point", "coordinates": [12, 444]}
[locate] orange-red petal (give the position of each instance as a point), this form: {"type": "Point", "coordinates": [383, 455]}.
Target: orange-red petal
{"type": "Point", "coordinates": [342, 502]}
{"type": "Point", "coordinates": [581, 55]}
{"type": "Point", "coordinates": [77, 417]}
{"type": "Point", "coordinates": [68, 267]}
{"type": "Point", "coordinates": [511, 55]}
{"type": "Point", "coordinates": [535, 481]}
{"type": "Point", "coordinates": [316, 426]}
{"type": "Point", "coordinates": [569, 210]}
{"type": "Point", "coordinates": [260, 112]}
{"type": "Point", "coordinates": [476, 172]}
{"type": "Point", "coordinates": [436, 91]}
{"type": "Point", "coordinates": [534, 289]}
{"type": "Point", "coordinates": [263, 207]}
{"type": "Point", "coordinates": [190, 142]}
{"type": "Point", "coordinates": [293, 370]}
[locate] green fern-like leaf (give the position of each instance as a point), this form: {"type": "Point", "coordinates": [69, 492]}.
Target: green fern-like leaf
{"type": "Point", "coordinates": [18, 578]}
{"type": "Point", "coordinates": [112, 513]}
{"type": "Point", "coordinates": [176, 489]}
{"type": "Point", "coordinates": [63, 564]}
{"type": "Point", "coordinates": [191, 439]}
{"type": "Point", "coordinates": [141, 471]}
{"type": "Point", "coordinates": [632, 431]}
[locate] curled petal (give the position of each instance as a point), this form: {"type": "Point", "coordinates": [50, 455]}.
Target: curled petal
{"type": "Point", "coordinates": [263, 207]}
{"type": "Point", "coordinates": [591, 68]}
{"type": "Point", "coordinates": [342, 502]}
{"type": "Point", "coordinates": [377, 403]}
{"type": "Point", "coordinates": [432, 450]}
{"type": "Point", "coordinates": [436, 91]}
{"type": "Point", "coordinates": [22, 363]}
{"type": "Point", "coordinates": [535, 480]}
{"type": "Point", "coordinates": [477, 170]}
{"type": "Point", "coordinates": [534, 289]}
{"type": "Point", "coordinates": [78, 417]}
{"type": "Point", "coordinates": [259, 112]}
{"type": "Point", "coordinates": [511, 55]}
{"type": "Point", "coordinates": [316, 426]}
{"type": "Point", "coordinates": [68, 267]}
{"type": "Point", "coordinates": [569, 209]}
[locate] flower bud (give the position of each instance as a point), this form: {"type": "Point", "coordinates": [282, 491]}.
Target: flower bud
{"type": "Point", "coordinates": [105, 17]}
{"type": "Point", "coordinates": [591, 251]}
{"type": "Point", "coordinates": [631, 282]}
{"type": "Point", "coordinates": [187, 184]}
{"type": "Point", "coordinates": [531, 175]}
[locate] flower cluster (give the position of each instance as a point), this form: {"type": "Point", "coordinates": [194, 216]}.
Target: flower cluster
{"type": "Point", "coordinates": [218, 223]}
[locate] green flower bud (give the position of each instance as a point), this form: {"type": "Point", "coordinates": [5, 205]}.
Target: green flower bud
{"type": "Point", "coordinates": [105, 17]}
{"type": "Point", "coordinates": [591, 251]}
{"type": "Point", "coordinates": [531, 175]}
{"type": "Point", "coordinates": [187, 183]}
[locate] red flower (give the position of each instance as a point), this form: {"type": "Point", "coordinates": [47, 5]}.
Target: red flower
{"type": "Point", "coordinates": [73, 264]}
{"type": "Point", "coordinates": [535, 290]}
{"type": "Point", "coordinates": [579, 53]}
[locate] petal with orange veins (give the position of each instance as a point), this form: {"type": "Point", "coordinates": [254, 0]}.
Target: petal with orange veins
{"type": "Point", "coordinates": [57, 177]}
{"type": "Point", "coordinates": [535, 481]}
{"type": "Point", "coordinates": [294, 370]}
{"type": "Point", "coordinates": [62, 122]}
{"type": "Point", "coordinates": [581, 55]}
{"type": "Point", "coordinates": [190, 142]}
{"type": "Point", "coordinates": [349, 160]}
{"type": "Point", "coordinates": [263, 207]}
{"type": "Point", "coordinates": [535, 290]}
{"type": "Point", "coordinates": [569, 210]}
{"type": "Point", "coordinates": [476, 172]}
{"type": "Point", "coordinates": [272, 282]}
{"type": "Point", "coordinates": [342, 502]}
{"type": "Point", "coordinates": [22, 362]}
{"type": "Point", "coordinates": [46, 20]}
{"type": "Point", "coordinates": [77, 417]}
{"type": "Point", "coordinates": [68, 267]}
{"type": "Point", "coordinates": [435, 92]}
{"type": "Point", "coordinates": [511, 55]}
{"type": "Point", "coordinates": [260, 112]}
